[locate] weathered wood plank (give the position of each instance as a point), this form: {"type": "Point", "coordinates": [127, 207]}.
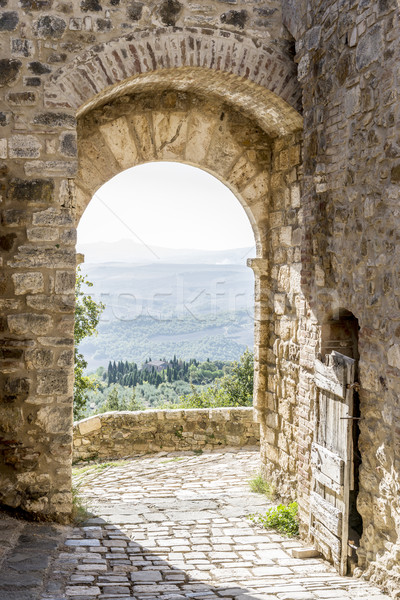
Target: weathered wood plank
{"type": "Point", "coordinates": [326, 379]}
{"type": "Point", "coordinates": [320, 532]}
{"type": "Point", "coordinates": [328, 463]}
{"type": "Point", "coordinates": [326, 481]}
{"type": "Point", "coordinates": [327, 513]}
{"type": "Point", "coordinates": [334, 376]}
{"type": "Point", "coordinates": [331, 456]}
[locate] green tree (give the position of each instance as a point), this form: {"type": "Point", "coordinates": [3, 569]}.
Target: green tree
{"type": "Point", "coordinates": [134, 403]}
{"type": "Point", "coordinates": [113, 402]}
{"type": "Point", "coordinates": [234, 389]}
{"type": "Point", "coordinates": [87, 316]}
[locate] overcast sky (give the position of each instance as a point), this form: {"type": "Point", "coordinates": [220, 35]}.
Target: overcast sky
{"type": "Point", "coordinates": [166, 204]}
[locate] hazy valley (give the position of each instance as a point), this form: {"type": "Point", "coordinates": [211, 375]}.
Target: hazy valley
{"type": "Point", "coordinates": [193, 304]}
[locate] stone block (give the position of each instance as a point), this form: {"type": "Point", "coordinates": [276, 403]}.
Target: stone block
{"type": "Point", "coordinates": [170, 131]}
{"type": "Point", "coordinates": [9, 70]}
{"type": "Point", "coordinates": [279, 304]}
{"type": "Point", "coordinates": [22, 47]}
{"type": "Point", "coordinates": [236, 18]}
{"type": "Point", "coordinates": [24, 146]}
{"type": "Point", "coordinates": [54, 419]}
{"type": "Point", "coordinates": [90, 425]}
{"type": "Point", "coordinates": [66, 358]}
{"type": "Point", "coordinates": [304, 553]}
{"type": "Point", "coordinates": [42, 234]}
{"type": "Point", "coordinates": [64, 304]}
{"type": "Point", "coordinates": [141, 124]}
{"type": "Point", "coordinates": [51, 168]}
{"type": "Point", "coordinates": [31, 190]}
{"type": "Point", "coordinates": [169, 11]}
{"type": "Point", "coordinates": [49, 27]}
{"type": "Point", "coordinates": [8, 20]}
{"type": "Point", "coordinates": [53, 382]}
{"type": "Point", "coordinates": [23, 324]}
{"type": "Point", "coordinates": [14, 217]}
{"type": "Point", "coordinates": [40, 358]}
{"type": "Point", "coordinates": [3, 148]}
{"type": "Point", "coordinates": [393, 356]}
{"type": "Point", "coordinates": [52, 216]}
{"type": "Point", "coordinates": [25, 283]}
{"type": "Point", "coordinates": [65, 282]}
{"type": "Point", "coordinates": [285, 236]}
{"type": "Point", "coordinates": [83, 591]}
{"type": "Point", "coordinates": [22, 98]}
{"type": "Point", "coordinates": [68, 145]}
{"type": "Point", "coordinates": [368, 47]}
{"type": "Point", "coordinates": [121, 142]}
{"type": "Point", "coordinates": [55, 119]}
{"type": "Point", "coordinates": [257, 188]}
{"type": "Point", "coordinates": [143, 576]}
{"type": "Point", "coordinates": [10, 418]}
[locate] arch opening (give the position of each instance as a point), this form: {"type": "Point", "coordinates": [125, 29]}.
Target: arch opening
{"type": "Point", "coordinates": [179, 127]}
{"type": "Point", "coordinates": [162, 258]}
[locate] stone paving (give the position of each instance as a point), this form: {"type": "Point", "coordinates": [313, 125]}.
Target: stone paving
{"type": "Point", "coordinates": [167, 527]}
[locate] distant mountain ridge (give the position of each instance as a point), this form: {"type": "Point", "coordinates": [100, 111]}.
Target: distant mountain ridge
{"type": "Point", "coordinates": [169, 290]}
{"type": "Point", "coordinates": [128, 251]}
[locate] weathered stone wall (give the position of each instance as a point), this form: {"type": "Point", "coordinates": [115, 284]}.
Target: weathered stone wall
{"type": "Point", "coordinates": [122, 434]}
{"type": "Point", "coordinates": [348, 55]}
{"type": "Point", "coordinates": [279, 305]}
{"type": "Point", "coordinates": [214, 86]}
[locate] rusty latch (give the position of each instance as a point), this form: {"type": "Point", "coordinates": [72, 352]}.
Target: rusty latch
{"type": "Point", "coordinates": [353, 386]}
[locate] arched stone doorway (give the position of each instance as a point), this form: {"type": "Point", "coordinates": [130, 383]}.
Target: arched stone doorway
{"type": "Point", "coordinates": [204, 132]}
{"type": "Point", "coordinates": [223, 116]}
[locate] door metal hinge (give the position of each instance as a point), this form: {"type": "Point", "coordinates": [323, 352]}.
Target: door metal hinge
{"type": "Point", "coordinates": [353, 386]}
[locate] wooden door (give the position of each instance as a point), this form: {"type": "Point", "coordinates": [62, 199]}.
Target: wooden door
{"type": "Point", "coordinates": [331, 457]}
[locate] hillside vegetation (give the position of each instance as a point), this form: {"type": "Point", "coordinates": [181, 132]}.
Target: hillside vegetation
{"type": "Point", "coordinates": [202, 311]}
{"type": "Point", "coordinates": [191, 384]}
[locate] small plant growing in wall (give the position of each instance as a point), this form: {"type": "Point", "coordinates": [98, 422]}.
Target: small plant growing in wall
{"type": "Point", "coordinates": [282, 518]}
{"type": "Point", "coordinates": [179, 432]}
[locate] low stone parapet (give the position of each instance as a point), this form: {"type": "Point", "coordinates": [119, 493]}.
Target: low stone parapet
{"type": "Point", "coordinates": [123, 434]}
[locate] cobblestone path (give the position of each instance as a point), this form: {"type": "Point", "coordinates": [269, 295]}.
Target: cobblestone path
{"type": "Point", "coordinates": [172, 527]}
{"type": "Point", "coordinates": [175, 527]}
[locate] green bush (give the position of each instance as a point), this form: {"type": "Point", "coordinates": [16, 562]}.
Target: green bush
{"type": "Point", "coordinates": [281, 518]}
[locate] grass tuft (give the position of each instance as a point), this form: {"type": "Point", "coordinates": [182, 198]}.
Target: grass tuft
{"type": "Point", "coordinates": [260, 485]}
{"type": "Point", "coordinates": [80, 511]}
{"type": "Point", "coordinates": [96, 467]}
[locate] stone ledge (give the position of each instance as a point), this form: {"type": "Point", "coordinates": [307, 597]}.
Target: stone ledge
{"type": "Point", "coordinates": [123, 434]}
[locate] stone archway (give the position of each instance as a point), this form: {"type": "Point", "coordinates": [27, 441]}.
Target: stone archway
{"type": "Point", "coordinates": [176, 126]}
{"type": "Point", "coordinates": [236, 119]}
{"type": "Point", "coordinates": [259, 74]}
{"type": "Point", "coordinates": [173, 125]}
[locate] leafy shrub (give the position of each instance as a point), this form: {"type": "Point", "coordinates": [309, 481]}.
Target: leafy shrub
{"type": "Point", "coordinates": [281, 518]}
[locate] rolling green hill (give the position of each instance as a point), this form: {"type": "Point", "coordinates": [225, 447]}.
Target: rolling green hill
{"type": "Point", "coordinates": [202, 311]}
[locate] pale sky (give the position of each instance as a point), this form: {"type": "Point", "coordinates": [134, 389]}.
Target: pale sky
{"type": "Point", "coordinates": [166, 204]}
